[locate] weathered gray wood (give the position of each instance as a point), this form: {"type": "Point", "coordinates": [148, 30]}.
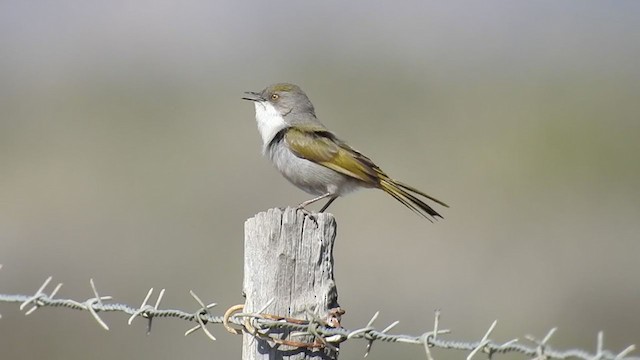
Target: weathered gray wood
{"type": "Point", "coordinates": [289, 258]}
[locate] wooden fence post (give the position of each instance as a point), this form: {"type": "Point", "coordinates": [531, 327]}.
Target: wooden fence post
{"type": "Point", "coordinates": [288, 258]}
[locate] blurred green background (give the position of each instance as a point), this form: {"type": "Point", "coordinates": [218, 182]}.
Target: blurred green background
{"type": "Point", "coordinates": [127, 156]}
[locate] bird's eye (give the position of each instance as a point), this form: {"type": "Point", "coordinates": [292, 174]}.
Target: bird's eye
{"type": "Point", "coordinates": [275, 97]}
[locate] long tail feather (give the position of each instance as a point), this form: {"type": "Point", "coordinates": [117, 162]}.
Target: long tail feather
{"type": "Point", "coordinates": [414, 190]}
{"type": "Point", "coordinates": [402, 193]}
{"type": "Point", "coordinates": [408, 204]}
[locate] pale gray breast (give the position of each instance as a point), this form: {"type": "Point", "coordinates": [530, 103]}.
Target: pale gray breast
{"type": "Point", "coordinates": [307, 175]}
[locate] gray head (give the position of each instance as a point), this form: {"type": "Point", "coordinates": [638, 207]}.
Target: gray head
{"type": "Point", "coordinates": [286, 99]}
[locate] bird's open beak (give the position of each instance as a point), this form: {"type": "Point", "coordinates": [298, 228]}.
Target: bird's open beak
{"type": "Point", "coordinates": [253, 96]}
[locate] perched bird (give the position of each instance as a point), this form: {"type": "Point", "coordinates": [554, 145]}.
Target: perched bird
{"type": "Point", "coordinates": [312, 158]}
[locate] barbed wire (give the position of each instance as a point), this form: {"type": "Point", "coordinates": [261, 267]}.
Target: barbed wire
{"type": "Point", "coordinates": [260, 323]}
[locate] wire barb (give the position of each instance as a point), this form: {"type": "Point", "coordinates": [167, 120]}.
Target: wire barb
{"type": "Point", "coordinates": [484, 341]}
{"type": "Point", "coordinates": [146, 311]}
{"type": "Point", "coordinates": [623, 354]}
{"type": "Point", "coordinates": [200, 317]}
{"type": "Point", "coordinates": [542, 344]}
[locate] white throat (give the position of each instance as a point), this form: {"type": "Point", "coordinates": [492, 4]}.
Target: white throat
{"type": "Point", "coordinates": [269, 120]}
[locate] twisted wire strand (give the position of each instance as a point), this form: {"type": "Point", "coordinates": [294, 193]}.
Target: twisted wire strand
{"type": "Point", "coordinates": [202, 316]}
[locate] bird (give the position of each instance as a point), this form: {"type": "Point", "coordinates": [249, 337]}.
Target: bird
{"type": "Point", "coordinates": [314, 159]}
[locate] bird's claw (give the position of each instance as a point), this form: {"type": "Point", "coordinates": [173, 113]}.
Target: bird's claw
{"type": "Point", "coordinates": [313, 217]}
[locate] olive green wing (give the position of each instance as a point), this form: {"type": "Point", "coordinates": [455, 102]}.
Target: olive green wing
{"type": "Point", "coordinates": [322, 147]}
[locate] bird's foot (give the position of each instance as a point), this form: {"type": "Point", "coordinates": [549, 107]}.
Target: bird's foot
{"type": "Point", "coordinates": [313, 217]}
